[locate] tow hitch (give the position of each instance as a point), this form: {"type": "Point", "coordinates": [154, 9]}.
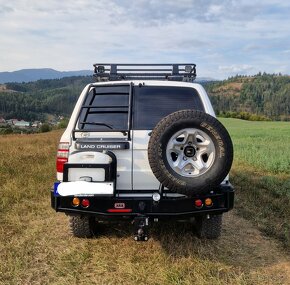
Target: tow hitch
{"type": "Point", "coordinates": [141, 228]}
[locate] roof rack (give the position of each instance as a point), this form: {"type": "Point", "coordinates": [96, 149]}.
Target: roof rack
{"type": "Point", "coordinates": [124, 71]}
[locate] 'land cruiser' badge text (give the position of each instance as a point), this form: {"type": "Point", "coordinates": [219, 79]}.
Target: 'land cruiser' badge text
{"type": "Point", "coordinates": [102, 146]}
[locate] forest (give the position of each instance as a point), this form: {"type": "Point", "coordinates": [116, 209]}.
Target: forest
{"type": "Point", "coordinates": [34, 100]}
{"type": "Point", "coordinates": [260, 97]}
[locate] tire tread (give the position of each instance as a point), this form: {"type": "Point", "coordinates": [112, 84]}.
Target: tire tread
{"type": "Point", "coordinates": [81, 226]}
{"type": "Point", "coordinates": [209, 228]}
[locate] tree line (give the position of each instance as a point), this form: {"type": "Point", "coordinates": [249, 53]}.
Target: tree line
{"type": "Point", "coordinates": [33, 100]}
{"type": "Point", "coordinates": [263, 96]}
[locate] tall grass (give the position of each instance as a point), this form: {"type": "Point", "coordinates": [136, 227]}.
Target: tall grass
{"type": "Point", "coordinates": [37, 248]}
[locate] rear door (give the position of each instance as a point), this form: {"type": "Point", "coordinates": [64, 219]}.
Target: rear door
{"type": "Point", "coordinates": [151, 104]}
{"type": "Point", "coordinates": [104, 124]}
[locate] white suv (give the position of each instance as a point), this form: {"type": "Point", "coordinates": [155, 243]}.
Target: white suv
{"type": "Point", "coordinates": [143, 143]}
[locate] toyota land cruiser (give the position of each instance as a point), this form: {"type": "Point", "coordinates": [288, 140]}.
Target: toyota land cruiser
{"type": "Point", "coordinates": [143, 143]}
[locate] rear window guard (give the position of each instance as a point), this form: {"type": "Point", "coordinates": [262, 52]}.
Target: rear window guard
{"type": "Point", "coordinates": [89, 108]}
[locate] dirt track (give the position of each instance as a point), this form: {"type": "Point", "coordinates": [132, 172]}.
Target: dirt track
{"type": "Point", "coordinates": [253, 251]}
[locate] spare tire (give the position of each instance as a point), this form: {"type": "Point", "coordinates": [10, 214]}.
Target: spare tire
{"type": "Point", "coordinates": [190, 152]}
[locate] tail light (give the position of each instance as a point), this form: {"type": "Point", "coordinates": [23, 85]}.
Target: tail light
{"type": "Point", "coordinates": [198, 203]}
{"type": "Point", "coordinates": [62, 156]}
{"type": "Point", "coordinates": [85, 203]}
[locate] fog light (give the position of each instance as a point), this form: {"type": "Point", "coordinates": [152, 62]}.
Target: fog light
{"type": "Point", "coordinates": [208, 202]}
{"type": "Point", "coordinates": [156, 197]}
{"type": "Point", "coordinates": [75, 202]}
{"type": "Point", "coordinates": [85, 203]}
{"type": "Point", "coordinates": [198, 203]}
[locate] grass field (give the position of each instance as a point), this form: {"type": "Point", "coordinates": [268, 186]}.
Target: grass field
{"type": "Point", "coordinates": [262, 145]}
{"type": "Point", "coordinates": [261, 174]}
{"type": "Point", "coordinates": [37, 248]}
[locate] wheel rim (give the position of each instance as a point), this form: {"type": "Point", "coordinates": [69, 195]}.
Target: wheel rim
{"type": "Point", "coordinates": [190, 152]}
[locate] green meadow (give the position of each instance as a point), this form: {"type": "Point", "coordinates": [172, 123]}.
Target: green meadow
{"type": "Point", "coordinates": [261, 174]}
{"type": "Point", "coordinates": [262, 145]}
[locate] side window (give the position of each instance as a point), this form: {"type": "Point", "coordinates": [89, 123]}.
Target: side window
{"type": "Point", "coordinates": [152, 103]}
{"type": "Point", "coordinates": [105, 108]}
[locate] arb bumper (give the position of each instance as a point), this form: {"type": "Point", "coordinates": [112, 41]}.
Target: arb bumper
{"type": "Point", "coordinates": [218, 201]}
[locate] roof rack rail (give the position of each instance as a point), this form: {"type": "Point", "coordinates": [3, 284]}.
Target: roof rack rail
{"type": "Point", "coordinates": [165, 71]}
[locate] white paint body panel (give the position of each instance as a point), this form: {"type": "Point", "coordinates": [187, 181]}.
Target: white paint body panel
{"type": "Point", "coordinates": [143, 177]}
{"type": "Point", "coordinates": [133, 169]}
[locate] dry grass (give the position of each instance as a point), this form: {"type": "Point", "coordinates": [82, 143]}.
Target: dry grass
{"type": "Point", "coordinates": [228, 89]}
{"type": "Point", "coordinates": [36, 247]}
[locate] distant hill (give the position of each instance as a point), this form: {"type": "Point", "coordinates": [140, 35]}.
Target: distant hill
{"type": "Point", "coordinates": [28, 75]}
{"type": "Point", "coordinates": [262, 95]}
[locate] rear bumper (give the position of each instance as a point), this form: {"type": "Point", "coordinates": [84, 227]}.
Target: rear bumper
{"type": "Point", "coordinates": [118, 206]}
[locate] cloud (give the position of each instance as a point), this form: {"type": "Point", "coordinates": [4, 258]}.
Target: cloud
{"type": "Point", "coordinates": [236, 68]}
{"type": "Point", "coordinates": [222, 37]}
{"type": "Point", "coordinates": [152, 12]}
{"type": "Point", "coordinates": [5, 9]}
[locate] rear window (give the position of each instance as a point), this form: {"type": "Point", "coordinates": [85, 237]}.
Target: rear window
{"type": "Point", "coordinates": [152, 103]}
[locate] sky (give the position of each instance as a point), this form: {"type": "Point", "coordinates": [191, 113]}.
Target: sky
{"type": "Point", "coordinates": [224, 37]}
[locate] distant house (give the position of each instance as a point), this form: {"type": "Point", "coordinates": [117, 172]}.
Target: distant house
{"type": "Point", "coordinates": [22, 124]}
{"type": "Point", "coordinates": [11, 122]}
{"type": "Point", "coordinates": [2, 122]}
{"type": "Point", "coordinates": [36, 124]}
{"type": "Point", "coordinates": [53, 122]}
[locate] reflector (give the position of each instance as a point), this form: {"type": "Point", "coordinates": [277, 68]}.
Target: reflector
{"type": "Point", "coordinates": [119, 210]}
